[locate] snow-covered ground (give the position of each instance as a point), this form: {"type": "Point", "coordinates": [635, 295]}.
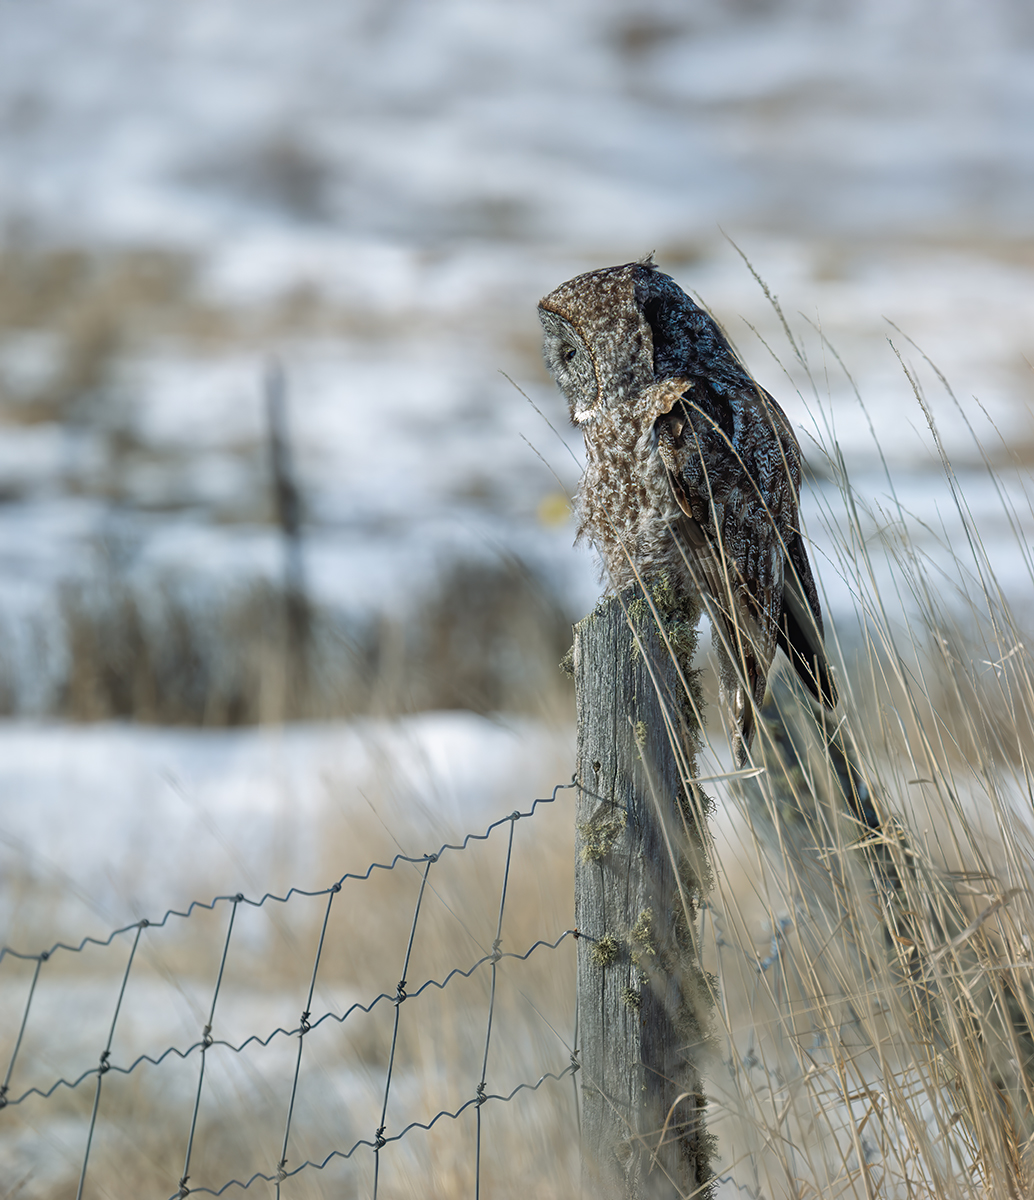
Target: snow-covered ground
{"type": "Point", "coordinates": [570, 122]}
{"type": "Point", "coordinates": [418, 177]}
{"type": "Point", "coordinates": [103, 825]}
{"type": "Point", "coordinates": [206, 812]}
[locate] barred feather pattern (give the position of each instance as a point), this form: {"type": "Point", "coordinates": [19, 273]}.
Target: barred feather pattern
{"type": "Point", "coordinates": [692, 470]}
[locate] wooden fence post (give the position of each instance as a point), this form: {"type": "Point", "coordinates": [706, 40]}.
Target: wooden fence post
{"type": "Point", "coordinates": [297, 611]}
{"type": "Point", "coordinates": [643, 1002]}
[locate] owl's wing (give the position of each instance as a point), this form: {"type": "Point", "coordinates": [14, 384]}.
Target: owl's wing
{"type": "Point", "coordinates": [739, 584]}
{"type": "Point", "coordinates": [759, 591]}
{"type": "Point", "coordinates": [799, 617]}
{"type": "Point", "coordinates": [739, 589]}
{"type": "Point", "coordinates": [800, 626]}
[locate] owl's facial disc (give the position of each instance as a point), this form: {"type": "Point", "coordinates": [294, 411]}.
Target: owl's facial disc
{"type": "Point", "coordinates": [569, 362]}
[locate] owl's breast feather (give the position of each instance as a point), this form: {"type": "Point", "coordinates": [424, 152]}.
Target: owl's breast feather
{"type": "Point", "coordinates": [626, 504]}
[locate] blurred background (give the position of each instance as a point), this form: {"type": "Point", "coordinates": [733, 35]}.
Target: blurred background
{"type": "Point", "coordinates": [276, 438]}
{"type": "Point", "coordinates": [376, 195]}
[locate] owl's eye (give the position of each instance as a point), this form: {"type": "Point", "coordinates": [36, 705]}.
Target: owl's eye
{"type": "Point", "coordinates": [569, 354]}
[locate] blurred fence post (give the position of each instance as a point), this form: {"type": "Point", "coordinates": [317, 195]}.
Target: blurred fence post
{"type": "Point", "coordinates": [643, 1003]}
{"type": "Point", "coordinates": [288, 507]}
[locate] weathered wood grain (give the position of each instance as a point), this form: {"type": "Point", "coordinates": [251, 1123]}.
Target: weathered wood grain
{"type": "Point", "coordinates": [642, 1000]}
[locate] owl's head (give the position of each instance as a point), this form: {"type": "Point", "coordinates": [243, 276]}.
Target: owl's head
{"type": "Point", "coordinates": [612, 332]}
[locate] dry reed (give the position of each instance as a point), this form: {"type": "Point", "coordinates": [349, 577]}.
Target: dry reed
{"type": "Point", "coordinates": [868, 936]}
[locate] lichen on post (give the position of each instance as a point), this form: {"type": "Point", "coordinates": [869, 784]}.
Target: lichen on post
{"type": "Point", "coordinates": [641, 868]}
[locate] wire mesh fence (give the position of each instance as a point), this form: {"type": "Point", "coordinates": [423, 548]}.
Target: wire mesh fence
{"type": "Point", "coordinates": [464, 1026]}
{"type": "Point", "coordinates": [411, 1029]}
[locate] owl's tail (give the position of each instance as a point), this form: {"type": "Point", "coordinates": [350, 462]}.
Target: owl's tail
{"type": "Point", "coordinates": [745, 655]}
{"type": "Point", "coordinates": [800, 639]}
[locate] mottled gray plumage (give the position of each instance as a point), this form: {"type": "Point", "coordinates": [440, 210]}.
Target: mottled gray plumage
{"type": "Point", "coordinates": [692, 471]}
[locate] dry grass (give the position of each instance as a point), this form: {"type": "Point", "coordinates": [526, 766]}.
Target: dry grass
{"type": "Point", "coordinates": [874, 987]}
{"type": "Point", "coordinates": [144, 1121]}
{"type": "Point", "coordinates": [490, 637]}
{"type": "Point", "coordinates": [91, 305]}
{"type": "Point", "coordinates": [870, 926]}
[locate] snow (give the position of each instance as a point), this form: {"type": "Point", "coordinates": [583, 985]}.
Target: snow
{"type": "Point", "coordinates": [207, 812]}
{"type": "Point", "coordinates": [421, 175]}
{"type": "Point", "coordinates": [418, 176]}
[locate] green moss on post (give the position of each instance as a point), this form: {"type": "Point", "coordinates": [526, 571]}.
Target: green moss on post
{"type": "Point", "coordinates": [605, 950]}
{"type": "Point", "coordinates": [640, 871]}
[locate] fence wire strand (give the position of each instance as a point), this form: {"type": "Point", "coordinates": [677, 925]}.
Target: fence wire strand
{"type": "Point", "coordinates": [457, 972]}
{"type": "Point", "coordinates": [206, 1042]}
{"type": "Point", "coordinates": [491, 1004]}
{"type": "Point", "coordinates": [400, 996]}
{"type": "Point", "coordinates": [272, 897]}
{"type": "Point", "coordinates": [209, 1043]}
{"type": "Point", "coordinates": [303, 1029]}
{"type": "Point", "coordinates": [21, 1031]}
{"type": "Point", "coordinates": [103, 1067]}
{"type": "Point", "coordinates": [260, 1177]}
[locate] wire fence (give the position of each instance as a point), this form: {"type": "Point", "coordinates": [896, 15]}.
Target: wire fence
{"type": "Point", "coordinates": [385, 1128]}
{"type": "Point", "coordinates": [97, 1013]}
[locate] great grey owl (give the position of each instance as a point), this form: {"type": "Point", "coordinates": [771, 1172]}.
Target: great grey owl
{"type": "Point", "coordinates": [692, 471]}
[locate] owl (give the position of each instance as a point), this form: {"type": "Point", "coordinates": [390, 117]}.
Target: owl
{"type": "Point", "coordinates": [692, 473]}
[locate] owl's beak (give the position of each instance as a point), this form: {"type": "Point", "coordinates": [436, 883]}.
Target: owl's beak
{"type": "Point", "coordinates": [584, 415]}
